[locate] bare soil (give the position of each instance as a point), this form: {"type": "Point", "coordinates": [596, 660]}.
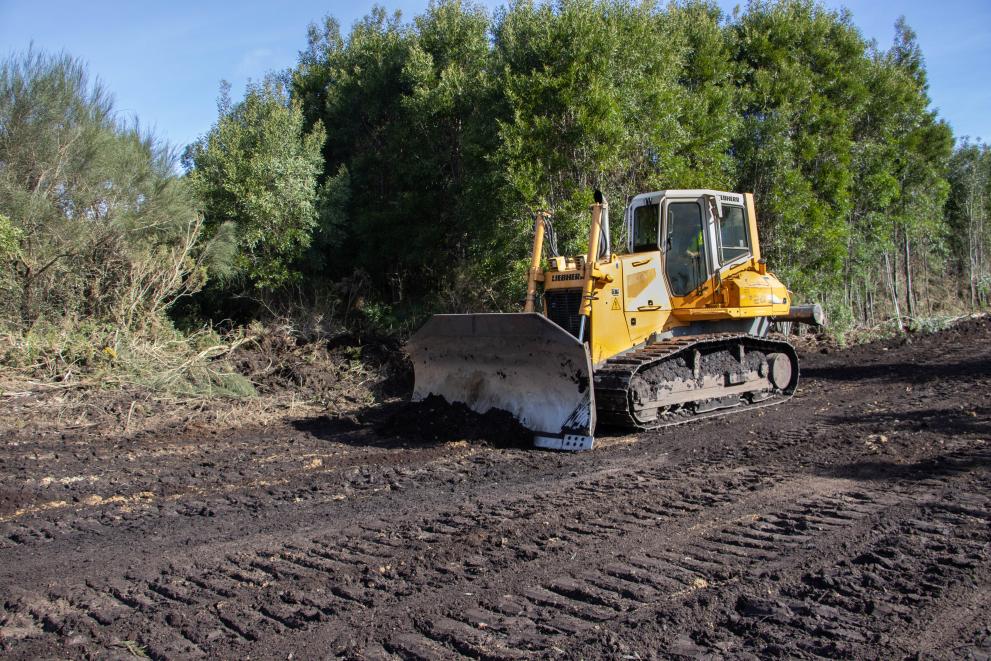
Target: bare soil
{"type": "Point", "coordinates": [853, 521]}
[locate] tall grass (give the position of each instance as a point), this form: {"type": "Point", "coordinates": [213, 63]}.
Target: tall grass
{"type": "Point", "coordinates": [156, 355]}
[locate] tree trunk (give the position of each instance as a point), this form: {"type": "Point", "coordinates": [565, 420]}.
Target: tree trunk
{"type": "Point", "coordinates": [894, 290]}
{"type": "Point", "coordinates": [27, 280]}
{"type": "Point", "coordinates": [26, 303]}
{"type": "Point", "coordinates": [971, 258]}
{"type": "Point", "coordinates": [909, 302]}
{"type": "Point", "coordinates": [892, 271]}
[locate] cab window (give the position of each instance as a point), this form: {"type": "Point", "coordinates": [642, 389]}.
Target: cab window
{"type": "Point", "coordinates": [734, 242]}
{"type": "Point", "coordinates": [686, 249]}
{"type": "Point", "coordinates": [645, 227]}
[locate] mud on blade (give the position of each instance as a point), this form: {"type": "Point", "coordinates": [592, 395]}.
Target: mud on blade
{"type": "Point", "coordinates": [522, 363]}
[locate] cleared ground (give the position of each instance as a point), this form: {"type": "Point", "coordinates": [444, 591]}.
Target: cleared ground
{"type": "Point", "coordinates": [852, 521]}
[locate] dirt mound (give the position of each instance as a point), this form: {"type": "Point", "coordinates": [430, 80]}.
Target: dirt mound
{"type": "Point", "coordinates": [436, 420]}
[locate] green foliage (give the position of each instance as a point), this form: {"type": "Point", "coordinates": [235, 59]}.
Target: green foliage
{"type": "Point", "coordinates": [156, 356]}
{"type": "Point", "coordinates": [10, 238]}
{"type": "Point", "coordinates": [708, 119]}
{"type": "Point", "coordinates": [446, 133]}
{"type": "Point", "coordinates": [586, 85]}
{"type": "Point", "coordinates": [801, 84]}
{"type": "Point", "coordinates": [10, 248]}
{"type": "Point", "coordinates": [410, 122]}
{"type": "Point", "coordinates": [617, 96]}
{"type": "Point", "coordinates": [98, 239]}
{"type": "Point", "coordinates": [256, 176]}
{"type": "Point", "coordinates": [409, 157]}
{"type": "Point", "coordinates": [969, 217]}
{"type": "Point", "coordinates": [99, 225]}
{"type": "Point", "coordinates": [899, 167]}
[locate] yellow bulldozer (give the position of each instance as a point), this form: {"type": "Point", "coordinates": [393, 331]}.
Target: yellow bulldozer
{"type": "Point", "coordinates": [674, 330]}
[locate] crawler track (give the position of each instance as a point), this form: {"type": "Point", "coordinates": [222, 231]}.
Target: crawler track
{"type": "Point", "coordinates": [619, 381]}
{"type": "Point", "coordinates": [852, 521]}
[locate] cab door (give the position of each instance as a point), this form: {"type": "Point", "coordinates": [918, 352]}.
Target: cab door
{"type": "Point", "coordinates": [643, 278]}
{"type": "Point", "coordinates": [686, 245]}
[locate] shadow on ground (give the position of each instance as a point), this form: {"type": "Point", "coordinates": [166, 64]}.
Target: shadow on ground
{"type": "Point", "coordinates": [907, 372]}
{"type": "Point", "coordinates": [402, 424]}
{"type": "Point", "coordinates": [952, 423]}
{"type": "Point", "coordinates": [949, 421]}
{"type": "Point", "coordinates": [936, 467]}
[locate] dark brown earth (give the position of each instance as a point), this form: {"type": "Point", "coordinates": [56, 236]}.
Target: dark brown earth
{"type": "Point", "coordinates": [852, 521]}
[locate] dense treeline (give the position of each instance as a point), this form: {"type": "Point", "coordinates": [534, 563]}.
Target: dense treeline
{"type": "Point", "coordinates": [394, 171]}
{"type": "Point", "coordinates": [444, 134]}
{"type": "Point", "coordinates": [968, 215]}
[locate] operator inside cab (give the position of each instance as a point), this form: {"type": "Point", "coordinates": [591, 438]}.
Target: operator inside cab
{"type": "Point", "coordinates": [685, 247]}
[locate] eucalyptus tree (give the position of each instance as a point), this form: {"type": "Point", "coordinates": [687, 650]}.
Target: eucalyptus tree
{"type": "Point", "coordinates": [802, 86]}
{"type": "Point", "coordinates": [969, 215]}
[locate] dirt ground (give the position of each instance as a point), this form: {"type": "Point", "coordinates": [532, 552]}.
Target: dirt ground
{"type": "Point", "coordinates": [852, 521]}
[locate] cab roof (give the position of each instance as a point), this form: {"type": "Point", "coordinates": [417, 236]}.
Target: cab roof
{"type": "Point", "coordinates": [655, 196]}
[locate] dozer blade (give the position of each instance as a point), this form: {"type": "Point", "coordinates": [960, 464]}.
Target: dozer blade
{"type": "Point", "coordinates": [522, 363]}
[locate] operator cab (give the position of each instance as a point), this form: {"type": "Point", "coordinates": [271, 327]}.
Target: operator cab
{"type": "Point", "coordinates": [698, 232]}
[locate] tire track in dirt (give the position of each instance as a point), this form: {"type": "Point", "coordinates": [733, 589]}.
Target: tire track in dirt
{"type": "Point", "coordinates": [852, 521]}
{"type": "Point", "coordinates": [339, 572]}
{"type": "Point", "coordinates": [358, 569]}
{"type": "Point", "coordinates": [870, 598]}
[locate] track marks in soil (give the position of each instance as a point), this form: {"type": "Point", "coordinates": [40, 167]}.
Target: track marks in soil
{"type": "Point", "coordinates": [201, 484]}
{"type": "Point", "coordinates": [794, 531]}
{"type": "Point", "coordinates": [299, 585]}
{"type": "Point", "coordinates": [858, 605]}
{"type": "Point", "coordinates": [672, 537]}
{"type": "Point", "coordinates": [636, 584]}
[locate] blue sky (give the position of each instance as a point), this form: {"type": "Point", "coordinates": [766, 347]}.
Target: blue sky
{"type": "Point", "coordinates": [164, 61]}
